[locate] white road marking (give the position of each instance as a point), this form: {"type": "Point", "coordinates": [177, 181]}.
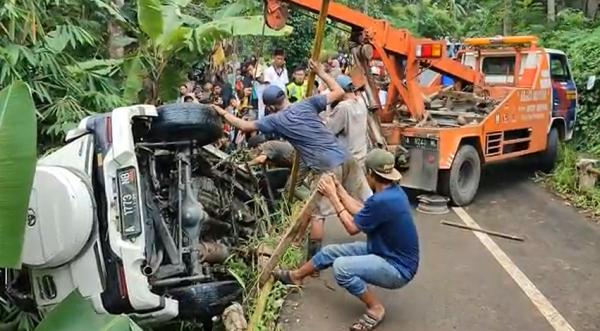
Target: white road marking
{"type": "Point", "coordinates": [556, 320]}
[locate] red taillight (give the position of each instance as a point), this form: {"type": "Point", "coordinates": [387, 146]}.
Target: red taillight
{"type": "Point", "coordinates": [109, 129]}
{"type": "Point", "coordinates": [426, 51]}
{"type": "Point", "coordinates": [429, 50]}
{"type": "Point", "coordinates": [122, 282]}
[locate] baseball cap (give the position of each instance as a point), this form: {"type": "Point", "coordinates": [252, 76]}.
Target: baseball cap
{"type": "Point", "coordinates": [273, 95]}
{"type": "Point", "coordinates": [382, 163]}
{"type": "Point", "coordinates": [345, 82]}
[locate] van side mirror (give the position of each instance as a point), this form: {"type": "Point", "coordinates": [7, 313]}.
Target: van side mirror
{"type": "Point", "coordinates": [591, 82]}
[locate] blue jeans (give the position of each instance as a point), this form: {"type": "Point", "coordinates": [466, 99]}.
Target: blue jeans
{"type": "Point", "coordinates": [354, 267]}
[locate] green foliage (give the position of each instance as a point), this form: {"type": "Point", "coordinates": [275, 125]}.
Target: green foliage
{"type": "Point", "coordinates": [298, 44]}
{"type": "Point", "coordinates": [43, 41]}
{"type": "Point", "coordinates": [425, 19]}
{"type": "Point", "coordinates": [564, 181]}
{"type": "Point", "coordinates": [75, 313]}
{"type": "Point", "coordinates": [17, 166]}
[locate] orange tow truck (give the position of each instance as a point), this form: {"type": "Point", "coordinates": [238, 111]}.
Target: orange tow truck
{"type": "Point", "coordinates": [510, 98]}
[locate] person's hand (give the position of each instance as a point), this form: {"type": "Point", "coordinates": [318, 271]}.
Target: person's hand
{"type": "Point", "coordinates": [327, 186]}
{"type": "Point", "coordinates": [316, 67]}
{"type": "Point", "coordinates": [337, 183]}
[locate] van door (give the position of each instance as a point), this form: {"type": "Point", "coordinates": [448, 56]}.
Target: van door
{"type": "Point", "coordinates": [564, 91]}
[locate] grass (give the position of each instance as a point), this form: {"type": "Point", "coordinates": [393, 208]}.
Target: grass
{"type": "Point", "coordinates": [564, 181]}
{"type": "Point", "coordinates": [247, 269]}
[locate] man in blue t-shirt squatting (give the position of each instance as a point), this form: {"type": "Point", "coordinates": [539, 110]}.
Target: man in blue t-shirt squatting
{"type": "Point", "coordinates": [318, 148]}
{"type": "Point", "coordinates": [390, 256]}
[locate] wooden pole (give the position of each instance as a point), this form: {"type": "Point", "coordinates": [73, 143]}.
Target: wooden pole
{"type": "Point", "coordinates": [261, 303]}
{"type": "Point", "coordinates": [266, 280]}
{"type": "Point", "coordinates": [316, 52]}
{"type": "Point", "coordinates": [302, 218]}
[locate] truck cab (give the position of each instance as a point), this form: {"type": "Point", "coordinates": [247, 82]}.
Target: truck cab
{"type": "Point", "coordinates": [499, 69]}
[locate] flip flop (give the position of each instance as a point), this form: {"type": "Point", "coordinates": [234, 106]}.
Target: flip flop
{"type": "Point", "coordinates": [283, 276]}
{"type": "Point", "coordinates": [366, 323]}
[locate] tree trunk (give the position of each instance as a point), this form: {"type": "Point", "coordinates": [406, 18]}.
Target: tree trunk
{"type": "Point", "coordinates": [591, 8]}
{"type": "Point", "coordinates": [551, 11]}
{"type": "Point", "coordinates": [115, 32]}
{"type": "Point", "coordinates": [507, 22]}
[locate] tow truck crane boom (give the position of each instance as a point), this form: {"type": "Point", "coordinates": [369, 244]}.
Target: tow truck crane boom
{"type": "Point", "coordinates": [397, 47]}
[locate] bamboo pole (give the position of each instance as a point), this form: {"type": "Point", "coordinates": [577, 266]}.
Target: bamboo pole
{"type": "Point", "coordinates": [261, 303]}
{"type": "Point", "coordinates": [316, 52]}
{"type": "Point", "coordinates": [266, 279]}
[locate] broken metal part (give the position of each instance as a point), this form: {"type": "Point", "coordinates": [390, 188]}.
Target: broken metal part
{"type": "Point", "coordinates": [212, 252]}
{"type": "Point", "coordinates": [433, 204]}
{"type": "Point", "coordinates": [154, 263]}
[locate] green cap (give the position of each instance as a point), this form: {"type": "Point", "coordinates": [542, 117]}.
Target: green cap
{"type": "Point", "coordinates": [382, 163]}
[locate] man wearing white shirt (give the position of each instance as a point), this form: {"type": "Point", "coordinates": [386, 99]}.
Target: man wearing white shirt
{"type": "Point", "coordinates": [277, 74]}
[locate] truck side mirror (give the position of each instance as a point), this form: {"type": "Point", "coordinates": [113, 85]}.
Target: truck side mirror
{"type": "Point", "coordinates": [591, 82]}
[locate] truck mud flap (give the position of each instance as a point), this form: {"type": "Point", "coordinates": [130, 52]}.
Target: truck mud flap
{"type": "Point", "coordinates": [422, 173]}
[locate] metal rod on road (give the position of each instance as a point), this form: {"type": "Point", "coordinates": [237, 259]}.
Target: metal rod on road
{"type": "Point", "coordinates": [492, 233]}
{"type": "Point", "coordinates": [316, 52]}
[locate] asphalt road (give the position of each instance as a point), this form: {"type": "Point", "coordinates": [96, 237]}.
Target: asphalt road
{"type": "Point", "coordinates": [551, 281]}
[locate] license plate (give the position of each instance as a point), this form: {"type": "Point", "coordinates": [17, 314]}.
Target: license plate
{"type": "Point", "coordinates": [419, 142]}
{"type": "Point", "coordinates": [129, 202]}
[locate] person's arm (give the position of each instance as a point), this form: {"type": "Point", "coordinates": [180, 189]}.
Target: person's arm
{"type": "Point", "coordinates": [245, 126]}
{"type": "Point", "coordinates": [336, 91]}
{"type": "Point", "coordinates": [261, 159]}
{"type": "Point", "coordinates": [327, 188]}
{"type": "Point", "coordinates": [345, 215]}
{"type": "Point", "coordinates": [353, 205]}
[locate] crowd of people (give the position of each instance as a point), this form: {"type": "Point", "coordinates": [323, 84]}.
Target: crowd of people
{"type": "Point", "coordinates": [242, 96]}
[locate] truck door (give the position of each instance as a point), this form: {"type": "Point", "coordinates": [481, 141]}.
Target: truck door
{"type": "Point", "coordinates": [564, 91]}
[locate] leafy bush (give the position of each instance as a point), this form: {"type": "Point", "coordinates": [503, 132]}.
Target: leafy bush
{"type": "Point", "coordinates": [564, 181]}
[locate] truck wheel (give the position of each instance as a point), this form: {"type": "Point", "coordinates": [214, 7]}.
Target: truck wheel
{"type": "Point", "coordinates": [547, 159]}
{"type": "Point", "coordinates": [186, 121]}
{"type": "Point", "coordinates": [461, 182]}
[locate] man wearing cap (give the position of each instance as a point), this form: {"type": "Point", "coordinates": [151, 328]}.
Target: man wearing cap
{"type": "Point", "coordinates": [390, 256]}
{"type": "Point", "coordinates": [318, 148]}
{"type": "Point", "coordinates": [348, 120]}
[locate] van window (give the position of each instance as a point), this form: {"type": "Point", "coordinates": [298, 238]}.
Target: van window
{"type": "Point", "coordinates": [559, 70]}
{"type": "Point", "coordinates": [499, 65]}
{"type": "Point", "coordinates": [499, 69]}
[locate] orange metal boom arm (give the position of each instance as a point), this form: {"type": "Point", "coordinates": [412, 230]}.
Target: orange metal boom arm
{"type": "Point", "coordinates": [394, 45]}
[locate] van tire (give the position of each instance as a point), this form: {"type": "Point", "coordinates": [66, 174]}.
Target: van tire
{"type": "Point", "coordinates": [461, 181]}
{"type": "Point", "coordinates": [186, 121]}
{"type": "Point", "coordinates": [547, 159]}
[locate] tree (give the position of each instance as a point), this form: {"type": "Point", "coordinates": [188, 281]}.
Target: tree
{"type": "Point", "coordinates": [551, 11]}
{"type": "Point", "coordinates": [507, 22]}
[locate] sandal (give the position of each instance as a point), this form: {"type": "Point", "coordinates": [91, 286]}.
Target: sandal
{"type": "Point", "coordinates": [284, 277]}
{"type": "Point", "coordinates": [366, 323]}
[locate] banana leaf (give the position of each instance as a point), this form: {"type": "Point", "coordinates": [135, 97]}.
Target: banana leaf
{"type": "Point", "coordinates": [150, 18]}
{"type": "Point", "coordinates": [75, 313]}
{"type": "Point", "coordinates": [18, 138]}
{"type": "Point", "coordinates": [248, 26]}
